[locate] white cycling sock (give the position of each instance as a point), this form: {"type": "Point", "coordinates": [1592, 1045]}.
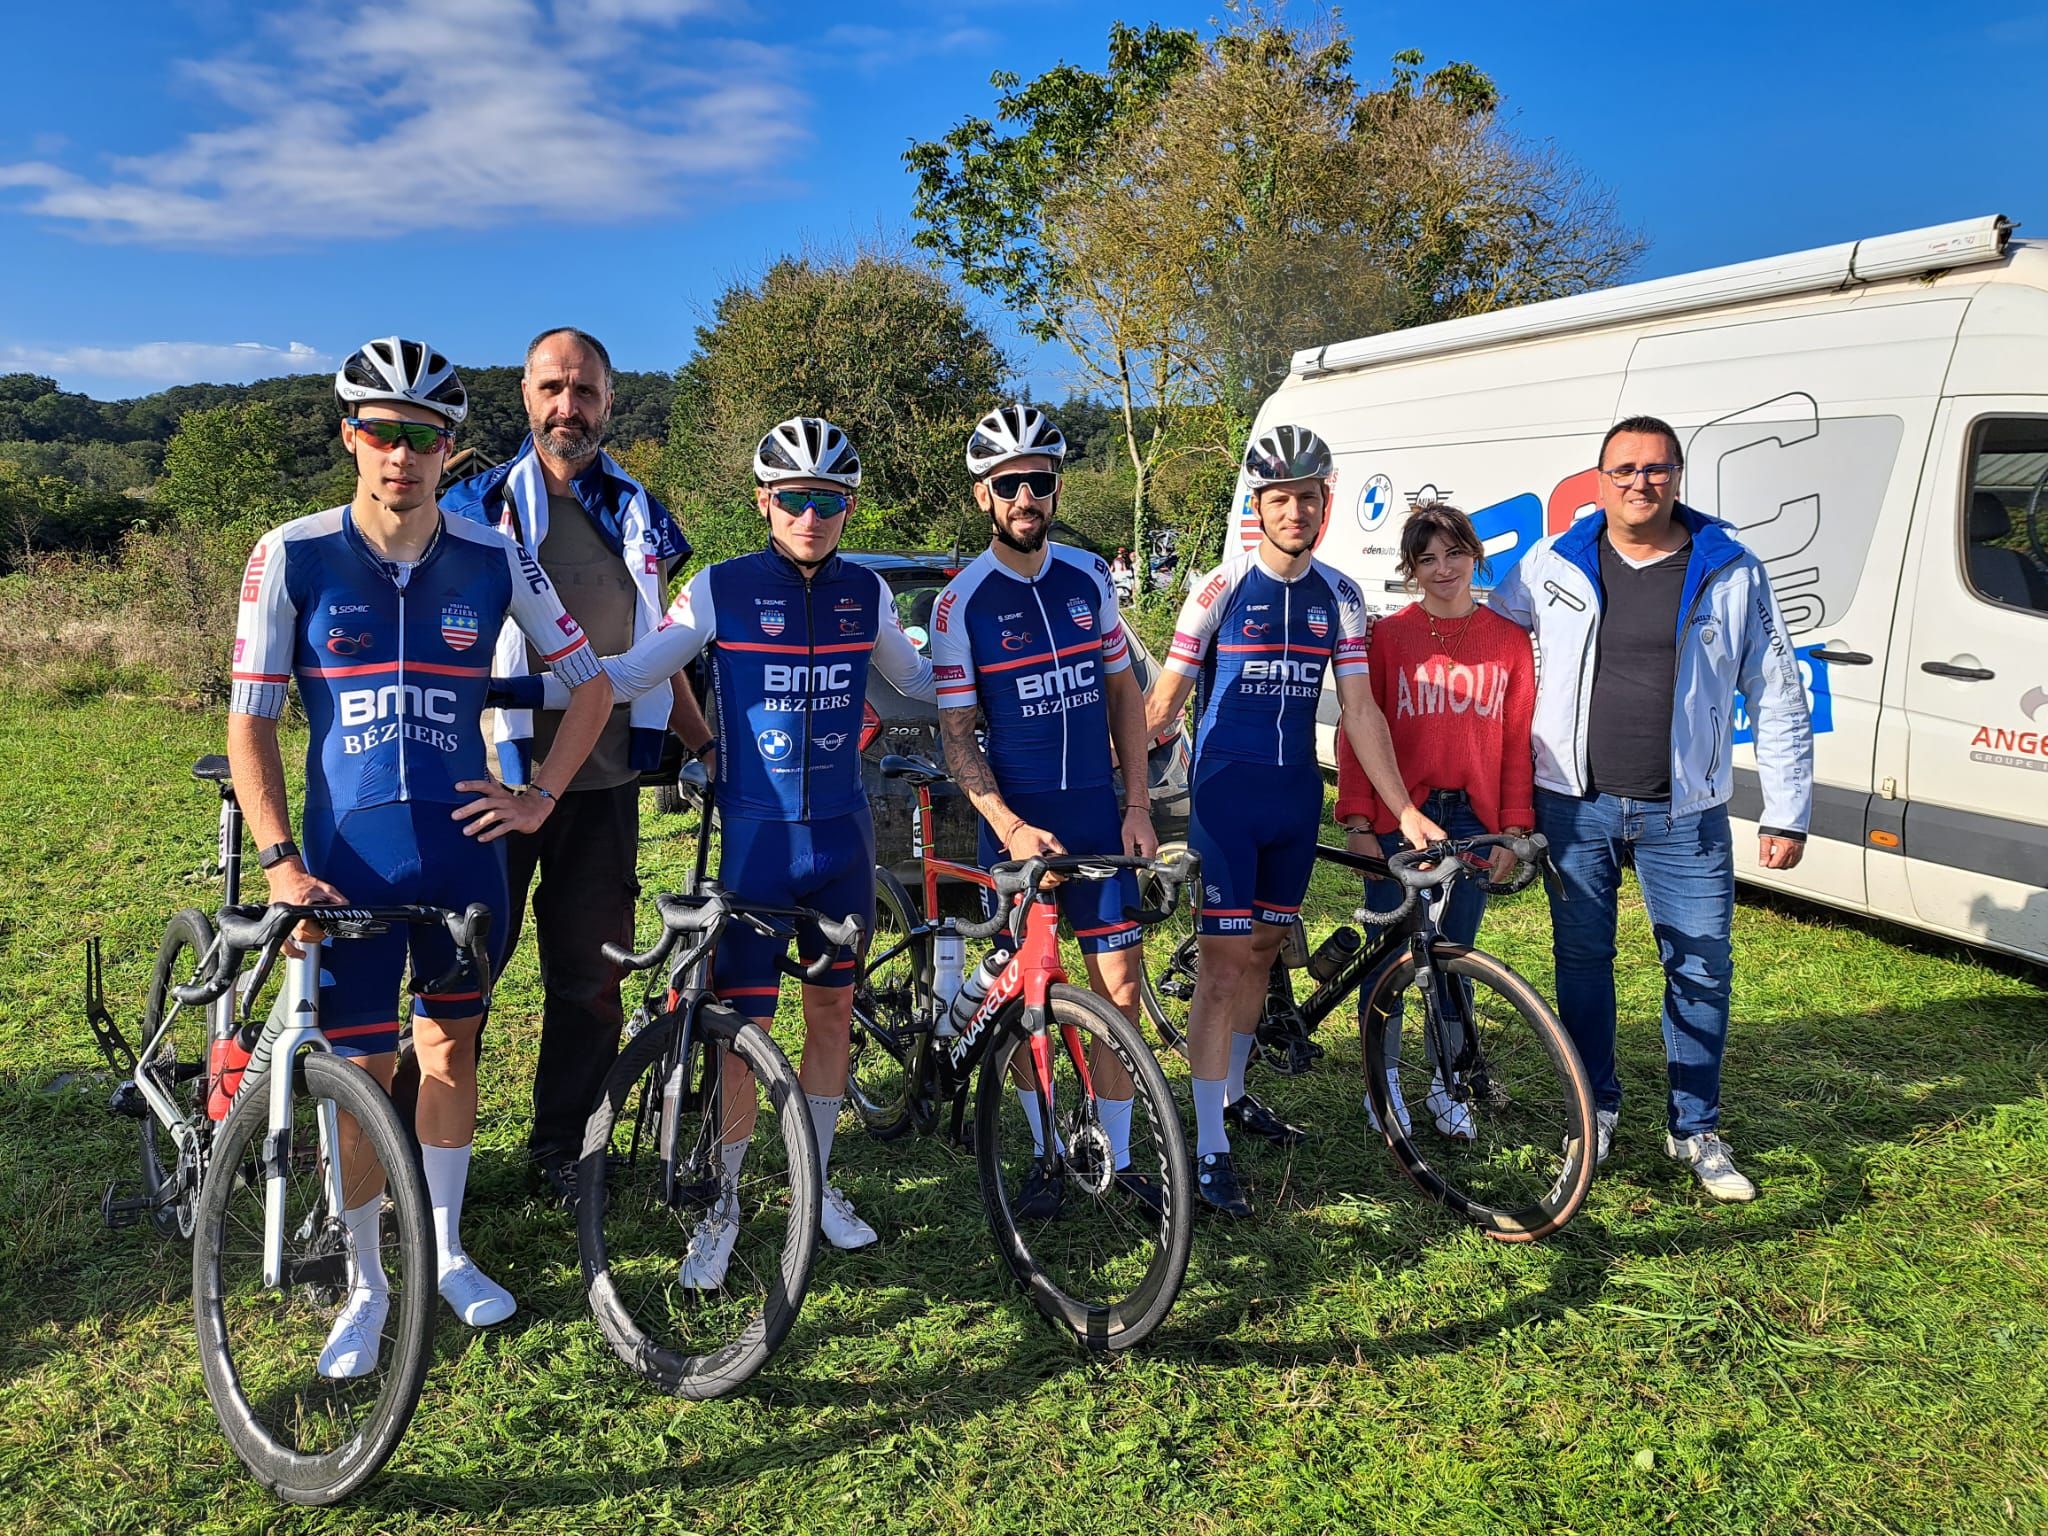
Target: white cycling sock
{"type": "Point", "coordinates": [824, 1124]}
{"type": "Point", "coordinates": [732, 1154]}
{"type": "Point", "coordinates": [1210, 1135]}
{"type": "Point", "coordinates": [366, 1263]}
{"type": "Point", "coordinates": [1115, 1115]}
{"type": "Point", "coordinates": [1027, 1100]}
{"type": "Point", "coordinates": [1240, 1053]}
{"type": "Point", "coordinates": [447, 1176]}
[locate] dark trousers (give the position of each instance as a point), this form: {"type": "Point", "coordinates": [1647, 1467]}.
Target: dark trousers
{"type": "Point", "coordinates": [585, 856]}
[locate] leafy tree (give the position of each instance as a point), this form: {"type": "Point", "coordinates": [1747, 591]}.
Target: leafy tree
{"type": "Point", "coordinates": [227, 466]}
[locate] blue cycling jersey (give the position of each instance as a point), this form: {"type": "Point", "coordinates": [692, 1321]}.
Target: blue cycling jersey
{"type": "Point", "coordinates": [1258, 644]}
{"type": "Point", "coordinates": [1034, 653]}
{"type": "Point", "coordinates": [790, 658]}
{"type": "Point", "coordinates": [392, 661]}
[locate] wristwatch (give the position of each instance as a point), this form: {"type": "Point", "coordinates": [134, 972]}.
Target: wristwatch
{"type": "Point", "coordinates": [276, 854]}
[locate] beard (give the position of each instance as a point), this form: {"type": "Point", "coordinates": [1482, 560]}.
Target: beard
{"type": "Point", "coordinates": [570, 441]}
{"type": "Point", "coordinates": [1032, 545]}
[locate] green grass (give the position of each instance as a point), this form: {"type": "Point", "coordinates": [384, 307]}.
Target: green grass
{"type": "Point", "coordinates": [1863, 1349]}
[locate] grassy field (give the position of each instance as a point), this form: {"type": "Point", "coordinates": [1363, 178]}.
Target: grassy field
{"type": "Point", "coordinates": [1863, 1349]}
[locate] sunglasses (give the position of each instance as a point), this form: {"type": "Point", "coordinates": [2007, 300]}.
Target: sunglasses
{"type": "Point", "coordinates": [416, 435]}
{"type": "Point", "coordinates": [1041, 483]}
{"type": "Point", "coordinates": [825, 503]}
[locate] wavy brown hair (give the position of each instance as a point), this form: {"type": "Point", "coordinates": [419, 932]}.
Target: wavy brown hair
{"type": "Point", "coordinates": [1424, 524]}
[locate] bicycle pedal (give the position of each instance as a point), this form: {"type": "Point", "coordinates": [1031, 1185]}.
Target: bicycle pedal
{"type": "Point", "coordinates": [118, 1210]}
{"type": "Point", "coordinates": [128, 1102]}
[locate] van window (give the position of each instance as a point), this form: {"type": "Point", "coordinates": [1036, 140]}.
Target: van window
{"type": "Point", "coordinates": [2005, 513]}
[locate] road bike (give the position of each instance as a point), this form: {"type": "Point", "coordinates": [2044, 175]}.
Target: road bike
{"type": "Point", "coordinates": [1493, 1117]}
{"type": "Point", "coordinates": [255, 1139]}
{"type": "Point", "coordinates": [1101, 1249]}
{"type": "Point", "coordinates": [652, 1178]}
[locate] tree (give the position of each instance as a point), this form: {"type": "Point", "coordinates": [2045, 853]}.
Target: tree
{"type": "Point", "coordinates": [225, 467]}
{"type": "Point", "coordinates": [879, 345]}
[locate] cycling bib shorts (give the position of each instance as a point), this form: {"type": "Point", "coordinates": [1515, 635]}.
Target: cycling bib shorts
{"type": "Point", "coordinates": [828, 865]}
{"type": "Point", "coordinates": [1253, 825]}
{"type": "Point", "coordinates": [387, 855]}
{"type": "Point", "coordinates": [1085, 821]}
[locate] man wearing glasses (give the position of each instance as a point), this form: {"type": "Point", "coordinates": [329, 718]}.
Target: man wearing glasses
{"type": "Point", "coordinates": [1030, 635]}
{"type": "Point", "coordinates": [1649, 618]}
{"type": "Point", "coordinates": [609, 548]}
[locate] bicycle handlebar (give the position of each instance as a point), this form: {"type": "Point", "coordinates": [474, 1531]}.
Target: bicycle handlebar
{"type": "Point", "coordinates": [1016, 880]}
{"type": "Point", "coordinates": [263, 929]}
{"type": "Point", "coordinates": [709, 910]}
{"type": "Point", "coordinates": [1451, 860]}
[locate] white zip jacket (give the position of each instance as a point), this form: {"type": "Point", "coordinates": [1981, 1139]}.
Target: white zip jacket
{"type": "Point", "coordinates": [1731, 638]}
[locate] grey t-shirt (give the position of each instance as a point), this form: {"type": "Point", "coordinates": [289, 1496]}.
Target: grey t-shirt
{"type": "Point", "coordinates": [598, 593]}
{"type": "Point", "coordinates": [1635, 676]}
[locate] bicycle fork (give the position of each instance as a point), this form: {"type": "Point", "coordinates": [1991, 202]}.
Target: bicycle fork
{"type": "Point", "coordinates": [296, 1024]}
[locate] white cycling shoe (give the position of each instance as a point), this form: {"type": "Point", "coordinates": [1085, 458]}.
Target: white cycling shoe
{"type": "Point", "coordinates": [1394, 1098]}
{"type": "Point", "coordinates": [711, 1246]}
{"type": "Point", "coordinates": [357, 1335]}
{"type": "Point", "coordinates": [1453, 1118]}
{"type": "Point", "coordinates": [475, 1297]}
{"type": "Point", "coordinates": [841, 1225]}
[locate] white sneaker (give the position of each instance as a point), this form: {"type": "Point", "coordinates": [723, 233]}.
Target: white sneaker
{"type": "Point", "coordinates": [1394, 1098]}
{"type": "Point", "coordinates": [1604, 1122]}
{"type": "Point", "coordinates": [477, 1299]}
{"type": "Point", "coordinates": [1453, 1119]}
{"type": "Point", "coordinates": [842, 1227]}
{"type": "Point", "coordinates": [357, 1335]}
{"type": "Point", "coordinates": [1712, 1159]}
{"type": "Point", "coordinates": [711, 1245]}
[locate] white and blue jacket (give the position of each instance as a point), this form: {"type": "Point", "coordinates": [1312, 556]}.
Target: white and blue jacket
{"type": "Point", "coordinates": [1731, 639]}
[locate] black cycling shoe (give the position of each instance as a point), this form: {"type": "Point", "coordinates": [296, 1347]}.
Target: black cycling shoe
{"type": "Point", "coordinates": [1144, 1190]}
{"type": "Point", "coordinates": [557, 1175]}
{"type": "Point", "coordinates": [1254, 1119]}
{"type": "Point", "coordinates": [1042, 1198]}
{"type": "Point", "coordinates": [1216, 1184]}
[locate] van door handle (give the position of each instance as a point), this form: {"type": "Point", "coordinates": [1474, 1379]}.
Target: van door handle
{"type": "Point", "coordinates": [1842, 658]}
{"type": "Point", "coordinates": [1961, 674]}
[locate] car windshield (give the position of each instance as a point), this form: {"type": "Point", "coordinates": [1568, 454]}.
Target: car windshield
{"type": "Point", "coordinates": [915, 593]}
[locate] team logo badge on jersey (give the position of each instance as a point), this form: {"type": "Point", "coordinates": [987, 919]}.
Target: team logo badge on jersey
{"type": "Point", "coordinates": [1012, 641]}
{"type": "Point", "coordinates": [458, 626]}
{"type": "Point", "coordinates": [1078, 611]}
{"type": "Point", "coordinates": [772, 619]}
{"type": "Point", "coordinates": [1255, 629]}
{"type": "Point", "coordinates": [252, 579]}
{"type": "Point", "coordinates": [1319, 622]}
{"type": "Point", "coordinates": [774, 745]}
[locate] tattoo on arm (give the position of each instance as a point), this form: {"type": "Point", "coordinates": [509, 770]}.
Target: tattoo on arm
{"type": "Point", "coordinates": [970, 769]}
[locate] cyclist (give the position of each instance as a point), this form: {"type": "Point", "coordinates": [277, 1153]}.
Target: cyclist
{"type": "Point", "coordinates": [1457, 684]}
{"type": "Point", "coordinates": [793, 630]}
{"type": "Point", "coordinates": [383, 611]}
{"type": "Point", "coordinates": [1257, 633]}
{"type": "Point", "coordinates": [1030, 633]}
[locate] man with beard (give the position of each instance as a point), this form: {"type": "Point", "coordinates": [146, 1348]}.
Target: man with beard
{"type": "Point", "coordinates": [1256, 633]}
{"type": "Point", "coordinates": [608, 547]}
{"type": "Point", "coordinates": [1030, 633]}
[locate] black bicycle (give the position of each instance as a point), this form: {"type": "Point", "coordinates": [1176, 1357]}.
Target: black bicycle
{"type": "Point", "coordinates": [1493, 1116]}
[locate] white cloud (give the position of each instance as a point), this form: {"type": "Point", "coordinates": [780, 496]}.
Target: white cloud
{"type": "Point", "coordinates": [383, 117]}
{"type": "Point", "coordinates": [167, 362]}
{"type": "Point", "coordinates": [871, 49]}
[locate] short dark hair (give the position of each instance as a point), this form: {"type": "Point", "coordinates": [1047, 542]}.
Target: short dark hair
{"type": "Point", "coordinates": [585, 337]}
{"type": "Point", "coordinates": [1646, 425]}
{"type": "Point", "coordinates": [1424, 524]}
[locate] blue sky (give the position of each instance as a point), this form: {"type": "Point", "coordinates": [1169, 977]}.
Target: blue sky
{"type": "Point", "coordinates": [202, 189]}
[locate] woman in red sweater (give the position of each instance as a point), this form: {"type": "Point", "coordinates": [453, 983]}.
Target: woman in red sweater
{"type": "Point", "coordinates": [1457, 684]}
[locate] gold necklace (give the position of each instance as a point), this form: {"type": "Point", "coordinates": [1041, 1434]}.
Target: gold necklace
{"type": "Point", "coordinates": [1448, 644]}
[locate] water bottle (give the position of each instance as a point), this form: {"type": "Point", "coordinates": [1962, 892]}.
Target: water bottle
{"type": "Point", "coordinates": [1333, 953]}
{"type": "Point", "coordinates": [949, 955]}
{"type": "Point", "coordinates": [972, 991]}
{"type": "Point", "coordinates": [226, 1061]}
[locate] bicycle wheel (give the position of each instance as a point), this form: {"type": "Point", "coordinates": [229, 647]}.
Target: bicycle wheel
{"type": "Point", "coordinates": [655, 1195]}
{"type": "Point", "coordinates": [1172, 958]}
{"type": "Point", "coordinates": [1106, 1268]}
{"type": "Point", "coordinates": [308, 1437]}
{"type": "Point", "coordinates": [176, 1064]}
{"type": "Point", "coordinates": [1500, 1127]}
{"type": "Point", "coordinates": [888, 1037]}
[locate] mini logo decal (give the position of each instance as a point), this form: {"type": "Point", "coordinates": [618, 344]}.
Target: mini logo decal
{"type": "Point", "coordinates": [833, 742]}
{"type": "Point", "coordinates": [1079, 612]}
{"type": "Point", "coordinates": [458, 626]}
{"type": "Point", "coordinates": [774, 745]}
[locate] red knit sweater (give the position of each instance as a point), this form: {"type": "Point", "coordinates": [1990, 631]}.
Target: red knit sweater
{"type": "Point", "coordinates": [1458, 723]}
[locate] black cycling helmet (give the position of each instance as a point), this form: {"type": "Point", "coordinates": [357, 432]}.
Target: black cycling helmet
{"type": "Point", "coordinates": [1284, 453]}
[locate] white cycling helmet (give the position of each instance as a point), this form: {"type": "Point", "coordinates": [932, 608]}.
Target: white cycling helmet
{"type": "Point", "coordinates": [1013, 432]}
{"type": "Point", "coordinates": [403, 373]}
{"type": "Point", "coordinates": [1281, 454]}
{"type": "Point", "coordinates": [807, 448]}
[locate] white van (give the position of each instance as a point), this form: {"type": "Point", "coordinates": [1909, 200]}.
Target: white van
{"type": "Point", "coordinates": [1873, 417]}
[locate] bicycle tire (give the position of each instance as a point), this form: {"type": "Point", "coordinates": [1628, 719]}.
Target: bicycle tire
{"type": "Point", "coordinates": [179, 1066]}
{"type": "Point", "coordinates": [308, 1438]}
{"type": "Point", "coordinates": [1166, 986]}
{"type": "Point", "coordinates": [887, 1044]}
{"type": "Point", "coordinates": [633, 1226]}
{"type": "Point", "coordinates": [1528, 1165]}
{"type": "Point", "coordinates": [1104, 1270]}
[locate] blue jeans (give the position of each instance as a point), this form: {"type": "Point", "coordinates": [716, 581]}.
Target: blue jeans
{"type": "Point", "coordinates": [1450, 809]}
{"type": "Point", "coordinates": [1686, 866]}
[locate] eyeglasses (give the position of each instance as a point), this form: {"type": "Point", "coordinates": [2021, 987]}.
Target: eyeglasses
{"type": "Point", "coordinates": [825, 503]}
{"type": "Point", "coordinates": [1624, 475]}
{"type": "Point", "coordinates": [1040, 482]}
{"type": "Point", "coordinates": [416, 435]}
